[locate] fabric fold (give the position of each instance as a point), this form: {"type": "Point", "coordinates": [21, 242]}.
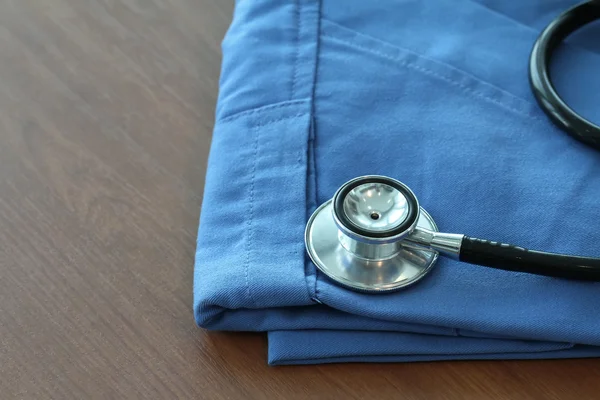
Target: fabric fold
{"type": "Point", "coordinates": [435, 94]}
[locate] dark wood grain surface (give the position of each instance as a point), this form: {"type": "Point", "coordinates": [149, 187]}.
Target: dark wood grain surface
{"type": "Point", "coordinates": [106, 112]}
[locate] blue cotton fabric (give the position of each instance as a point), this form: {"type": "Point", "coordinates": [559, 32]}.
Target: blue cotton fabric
{"type": "Point", "coordinates": [435, 94]}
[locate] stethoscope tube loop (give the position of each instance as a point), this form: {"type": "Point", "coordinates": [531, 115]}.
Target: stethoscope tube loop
{"type": "Point", "coordinates": [539, 72]}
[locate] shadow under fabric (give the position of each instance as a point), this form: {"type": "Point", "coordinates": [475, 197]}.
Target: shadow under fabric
{"type": "Point", "coordinates": [435, 94]}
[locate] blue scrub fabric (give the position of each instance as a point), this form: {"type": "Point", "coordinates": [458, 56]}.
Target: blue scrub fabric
{"type": "Point", "coordinates": [435, 94]}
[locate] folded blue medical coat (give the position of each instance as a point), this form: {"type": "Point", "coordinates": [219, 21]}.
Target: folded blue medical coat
{"type": "Point", "coordinates": [435, 94]}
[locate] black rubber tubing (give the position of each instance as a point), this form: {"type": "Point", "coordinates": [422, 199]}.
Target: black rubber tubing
{"type": "Point", "coordinates": [539, 72]}
{"type": "Point", "coordinates": [512, 258]}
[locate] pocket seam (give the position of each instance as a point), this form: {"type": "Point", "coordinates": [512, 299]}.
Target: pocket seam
{"type": "Point", "coordinates": [446, 79]}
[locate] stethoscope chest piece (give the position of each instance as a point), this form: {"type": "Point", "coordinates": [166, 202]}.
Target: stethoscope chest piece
{"type": "Point", "coordinates": [356, 238]}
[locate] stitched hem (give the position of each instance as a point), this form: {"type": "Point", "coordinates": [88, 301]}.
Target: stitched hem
{"type": "Point", "coordinates": [297, 22]}
{"type": "Point", "coordinates": [249, 232]}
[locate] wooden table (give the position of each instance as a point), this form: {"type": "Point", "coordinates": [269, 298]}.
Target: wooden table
{"type": "Point", "coordinates": [106, 112]}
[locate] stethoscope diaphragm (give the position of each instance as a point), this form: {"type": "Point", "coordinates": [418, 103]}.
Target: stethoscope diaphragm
{"type": "Point", "coordinates": [356, 237]}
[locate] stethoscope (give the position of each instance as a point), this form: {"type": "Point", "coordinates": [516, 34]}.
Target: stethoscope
{"type": "Point", "coordinates": [373, 236]}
